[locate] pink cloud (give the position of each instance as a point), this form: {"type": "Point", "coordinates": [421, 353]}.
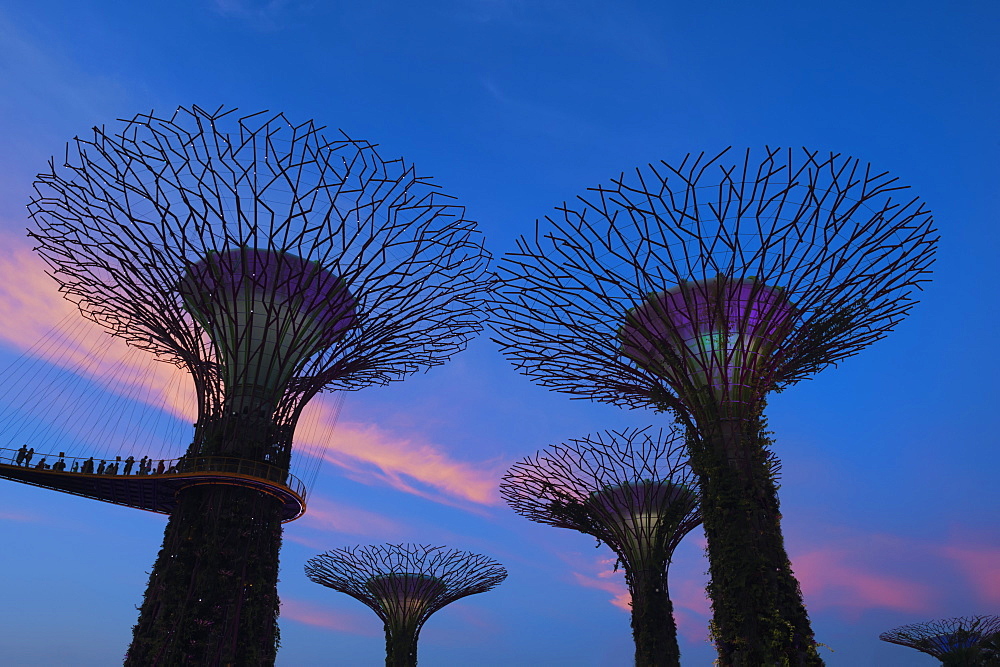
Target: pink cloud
{"type": "Point", "coordinates": [320, 617]}
{"type": "Point", "coordinates": [368, 453]}
{"type": "Point", "coordinates": [833, 578]}
{"type": "Point", "coordinates": [621, 597]}
{"type": "Point", "coordinates": [405, 463]}
{"type": "Point", "coordinates": [981, 565]}
{"type": "Point", "coordinates": [607, 579]}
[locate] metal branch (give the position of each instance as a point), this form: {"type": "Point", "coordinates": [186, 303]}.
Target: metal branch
{"type": "Point", "coordinates": [969, 636]}
{"type": "Point", "coordinates": [826, 231]}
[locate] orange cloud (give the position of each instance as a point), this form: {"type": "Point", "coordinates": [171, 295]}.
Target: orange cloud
{"type": "Point", "coordinates": [829, 578]}
{"type": "Point", "coordinates": [610, 581]}
{"type": "Point", "coordinates": [320, 617]}
{"type": "Point", "coordinates": [405, 463]}
{"type": "Point", "coordinates": [368, 453]}
{"type": "Point", "coordinates": [981, 566]}
{"type": "Point", "coordinates": [40, 312]}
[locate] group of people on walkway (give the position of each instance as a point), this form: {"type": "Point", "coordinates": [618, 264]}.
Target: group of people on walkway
{"type": "Point", "coordinates": [90, 466]}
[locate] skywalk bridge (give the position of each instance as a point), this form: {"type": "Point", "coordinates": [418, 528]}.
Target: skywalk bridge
{"type": "Point", "coordinates": [152, 488]}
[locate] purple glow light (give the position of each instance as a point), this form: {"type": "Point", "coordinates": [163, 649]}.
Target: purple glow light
{"type": "Point", "coordinates": [266, 311]}
{"type": "Point", "coordinates": [716, 332]}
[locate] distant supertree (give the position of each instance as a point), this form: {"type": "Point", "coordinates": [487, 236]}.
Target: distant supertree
{"type": "Point", "coordinates": [970, 641]}
{"type": "Point", "coordinates": [404, 584]}
{"type": "Point", "coordinates": [632, 490]}
{"type": "Point", "coordinates": [272, 263]}
{"type": "Point", "coordinates": [697, 289]}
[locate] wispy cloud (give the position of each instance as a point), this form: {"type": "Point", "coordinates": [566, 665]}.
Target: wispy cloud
{"type": "Point", "coordinates": [407, 463]}
{"type": "Point", "coordinates": [321, 617]}
{"type": "Point", "coordinates": [262, 15]}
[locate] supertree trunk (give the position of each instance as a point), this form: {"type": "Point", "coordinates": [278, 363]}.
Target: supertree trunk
{"type": "Point", "coordinates": [401, 646]}
{"type": "Point", "coordinates": [758, 614]}
{"type": "Point", "coordinates": [212, 597]}
{"type": "Point", "coordinates": [653, 627]}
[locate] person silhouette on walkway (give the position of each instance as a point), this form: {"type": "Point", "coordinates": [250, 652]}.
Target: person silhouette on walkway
{"type": "Point", "coordinates": [41, 464]}
{"type": "Point", "coordinates": [88, 466]}
{"type": "Point", "coordinates": [21, 453]}
{"type": "Point", "coordinates": [159, 467]}
{"type": "Point", "coordinates": [76, 466]}
{"type": "Point", "coordinates": [100, 468]}
{"type": "Point", "coordinates": [129, 462]}
{"type": "Point", "coordinates": [60, 465]}
{"type": "Point", "coordinates": [27, 457]}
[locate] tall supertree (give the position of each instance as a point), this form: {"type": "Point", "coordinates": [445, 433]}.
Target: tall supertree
{"type": "Point", "coordinates": [404, 584]}
{"type": "Point", "coordinates": [632, 490]}
{"type": "Point", "coordinates": [697, 289]}
{"type": "Point", "coordinates": [970, 641]}
{"type": "Point", "coordinates": [272, 263]}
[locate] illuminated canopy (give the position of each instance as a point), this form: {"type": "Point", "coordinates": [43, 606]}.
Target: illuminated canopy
{"type": "Point", "coordinates": [716, 333]}
{"type": "Point", "coordinates": [266, 312]}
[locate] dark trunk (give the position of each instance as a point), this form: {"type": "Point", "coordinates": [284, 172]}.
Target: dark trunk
{"type": "Point", "coordinates": [653, 627]}
{"type": "Point", "coordinates": [212, 597]}
{"type": "Point", "coordinates": [401, 646]}
{"type": "Point", "coordinates": [759, 618]}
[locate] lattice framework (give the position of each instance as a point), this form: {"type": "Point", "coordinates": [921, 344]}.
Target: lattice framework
{"type": "Point", "coordinates": [980, 634]}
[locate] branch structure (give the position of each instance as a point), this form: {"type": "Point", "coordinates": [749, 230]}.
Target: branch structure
{"type": "Point", "coordinates": [272, 263]}
{"type": "Point", "coordinates": [968, 640]}
{"type": "Point", "coordinates": [696, 289]}
{"type": "Point", "coordinates": [404, 584]}
{"type": "Point", "coordinates": [632, 490]}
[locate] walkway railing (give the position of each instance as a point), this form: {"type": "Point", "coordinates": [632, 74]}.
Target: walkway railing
{"type": "Point", "coordinates": [185, 465]}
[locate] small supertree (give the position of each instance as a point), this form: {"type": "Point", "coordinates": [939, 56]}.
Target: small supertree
{"type": "Point", "coordinates": [404, 584]}
{"type": "Point", "coordinates": [697, 289]}
{"type": "Point", "coordinates": [970, 641]}
{"type": "Point", "coordinates": [272, 263]}
{"type": "Point", "coordinates": [632, 490]}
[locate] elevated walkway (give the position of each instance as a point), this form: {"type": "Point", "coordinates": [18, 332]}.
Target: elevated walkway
{"type": "Point", "coordinates": [152, 487]}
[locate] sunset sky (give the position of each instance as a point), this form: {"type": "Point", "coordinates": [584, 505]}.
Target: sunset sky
{"type": "Point", "coordinates": [890, 461]}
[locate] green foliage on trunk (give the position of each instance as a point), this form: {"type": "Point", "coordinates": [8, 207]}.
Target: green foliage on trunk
{"type": "Point", "coordinates": [401, 646]}
{"type": "Point", "coordinates": [758, 615]}
{"type": "Point", "coordinates": [212, 597]}
{"type": "Point", "coordinates": [653, 627]}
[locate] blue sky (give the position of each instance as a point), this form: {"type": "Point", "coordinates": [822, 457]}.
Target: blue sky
{"type": "Point", "coordinates": [890, 460]}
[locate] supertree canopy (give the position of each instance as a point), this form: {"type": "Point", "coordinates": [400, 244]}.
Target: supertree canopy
{"type": "Point", "coordinates": [964, 641]}
{"type": "Point", "coordinates": [404, 584]}
{"type": "Point", "coordinates": [632, 490]}
{"type": "Point", "coordinates": [271, 263]}
{"type": "Point", "coordinates": [697, 288]}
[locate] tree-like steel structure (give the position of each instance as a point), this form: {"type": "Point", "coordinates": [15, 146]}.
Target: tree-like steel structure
{"type": "Point", "coordinates": [698, 288]}
{"type": "Point", "coordinates": [404, 584]}
{"type": "Point", "coordinates": [632, 490]}
{"type": "Point", "coordinates": [272, 263]}
{"type": "Point", "coordinates": [968, 641]}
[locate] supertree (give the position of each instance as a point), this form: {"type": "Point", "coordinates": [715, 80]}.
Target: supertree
{"type": "Point", "coordinates": [697, 289]}
{"type": "Point", "coordinates": [632, 490]}
{"type": "Point", "coordinates": [404, 584]}
{"type": "Point", "coordinates": [957, 642]}
{"type": "Point", "coordinates": [271, 263]}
